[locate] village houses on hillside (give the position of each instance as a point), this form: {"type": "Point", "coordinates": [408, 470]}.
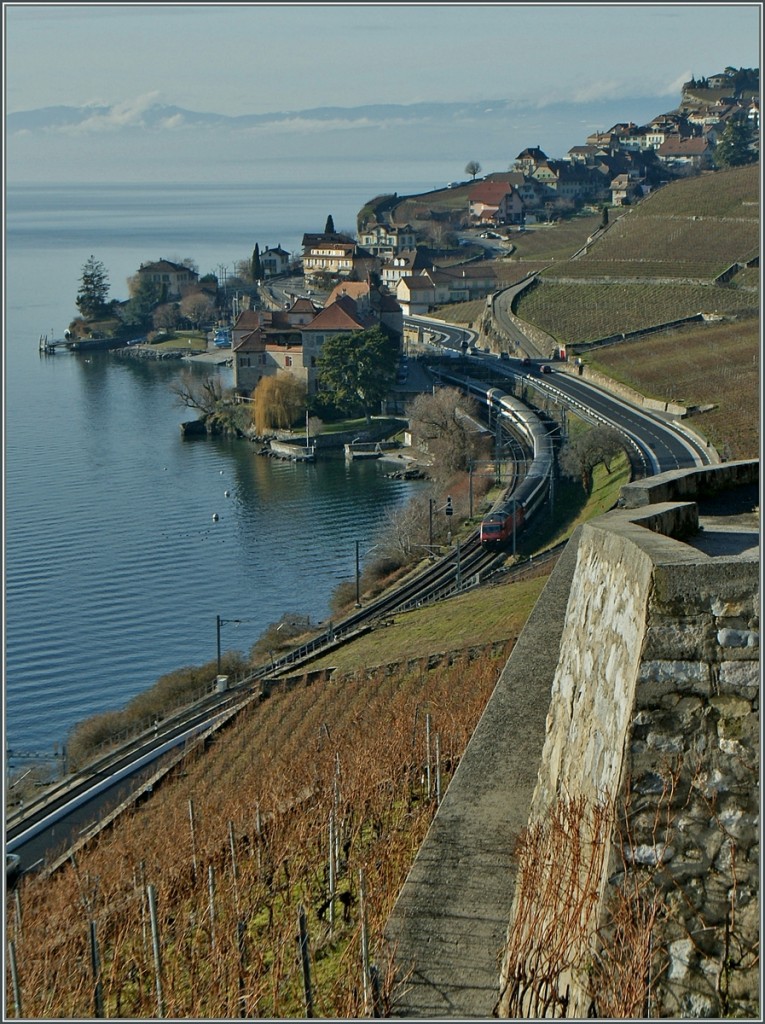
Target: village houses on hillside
{"type": "Point", "coordinates": [388, 273]}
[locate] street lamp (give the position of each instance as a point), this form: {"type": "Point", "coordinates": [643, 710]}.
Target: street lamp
{"type": "Point", "coordinates": [222, 622]}
{"type": "Point", "coordinates": [358, 572]}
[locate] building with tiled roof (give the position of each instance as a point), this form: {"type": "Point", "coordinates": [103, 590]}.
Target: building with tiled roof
{"type": "Point", "coordinates": [495, 202]}
{"type": "Point", "coordinates": [695, 152]}
{"type": "Point", "coordinates": [173, 279]}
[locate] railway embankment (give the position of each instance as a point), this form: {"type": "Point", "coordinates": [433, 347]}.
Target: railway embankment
{"type": "Point", "coordinates": [636, 676]}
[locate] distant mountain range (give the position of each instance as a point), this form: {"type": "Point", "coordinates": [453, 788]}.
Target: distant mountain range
{"type": "Point", "coordinates": [163, 117]}
{"type": "Point", "coordinates": [141, 138]}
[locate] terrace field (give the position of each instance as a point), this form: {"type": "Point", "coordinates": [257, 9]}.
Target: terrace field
{"type": "Point", "coordinates": [579, 313]}
{"type": "Point", "coordinates": [657, 263]}
{"type": "Point", "coordinates": [715, 364]}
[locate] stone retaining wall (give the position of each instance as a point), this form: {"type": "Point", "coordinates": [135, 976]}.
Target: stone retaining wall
{"type": "Point", "coordinates": [636, 677]}
{"type": "Point", "coordinates": [655, 703]}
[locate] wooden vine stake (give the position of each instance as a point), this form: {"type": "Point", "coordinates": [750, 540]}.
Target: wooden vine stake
{"type": "Point", "coordinates": [95, 963]}
{"type": "Point", "coordinates": [332, 869]}
{"type": "Point", "coordinates": [304, 961]}
{"type": "Point", "coordinates": [14, 977]}
{"type": "Point", "coordinates": [156, 948]}
{"type": "Point", "coordinates": [364, 941]}
{"type": "Point", "coordinates": [193, 839]}
{"type": "Point", "coordinates": [232, 847]}
{"type": "Point", "coordinates": [211, 891]}
{"type": "Point", "coordinates": [438, 769]}
{"type": "Point", "coordinates": [427, 754]}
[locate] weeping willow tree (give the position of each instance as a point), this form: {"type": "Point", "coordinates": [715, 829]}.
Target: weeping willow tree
{"type": "Point", "coordinates": [278, 402]}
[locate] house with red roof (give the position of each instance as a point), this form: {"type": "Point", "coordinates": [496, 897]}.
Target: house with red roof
{"type": "Point", "coordinates": [495, 202]}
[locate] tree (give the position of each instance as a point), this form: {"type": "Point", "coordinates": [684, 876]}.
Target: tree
{"type": "Point", "coordinates": [472, 167]}
{"type": "Point", "coordinates": [278, 402]}
{"type": "Point", "coordinates": [94, 289]}
{"type": "Point", "coordinates": [584, 452]}
{"type": "Point", "coordinates": [734, 147]}
{"type": "Point", "coordinates": [358, 369]}
{"type": "Point", "coordinates": [441, 423]}
{"type": "Point", "coordinates": [329, 227]}
{"type": "Point", "coordinates": [256, 269]}
{"type": "Point", "coordinates": [197, 307]}
{"type": "Point", "coordinates": [204, 395]}
{"type": "Point", "coordinates": [144, 299]}
{"type": "Point", "coordinates": [166, 317]}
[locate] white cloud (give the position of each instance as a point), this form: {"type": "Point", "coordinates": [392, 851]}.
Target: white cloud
{"type": "Point", "coordinates": [128, 114]}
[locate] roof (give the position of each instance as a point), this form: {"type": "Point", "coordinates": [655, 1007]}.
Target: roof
{"type": "Point", "coordinates": [354, 289]}
{"type": "Point", "coordinates": [341, 315]}
{"type": "Point", "coordinates": [490, 192]}
{"type": "Point", "coordinates": [166, 267]}
{"type": "Point", "coordinates": [675, 145]}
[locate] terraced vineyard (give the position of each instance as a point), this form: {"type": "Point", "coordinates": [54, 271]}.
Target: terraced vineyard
{"type": "Point", "coordinates": [216, 866]}
{"type": "Point", "coordinates": [579, 313]}
{"type": "Point", "coordinates": [657, 263]}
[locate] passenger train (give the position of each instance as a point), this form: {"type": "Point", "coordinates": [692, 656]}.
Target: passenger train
{"type": "Point", "coordinates": [509, 518]}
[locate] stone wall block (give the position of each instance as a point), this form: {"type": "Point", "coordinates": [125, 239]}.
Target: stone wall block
{"type": "Point", "coordinates": [738, 638]}
{"type": "Point", "coordinates": [689, 640]}
{"type": "Point", "coordinates": [740, 677]}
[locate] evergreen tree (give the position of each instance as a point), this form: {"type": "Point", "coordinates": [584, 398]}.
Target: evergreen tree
{"type": "Point", "coordinates": [256, 268]}
{"type": "Point", "coordinates": [94, 289]}
{"type": "Point", "coordinates": [734, 148]}
{"type": "Point", "coordinates": [358, 369]}
{"type": "Point", "coordinates": [329, 227]}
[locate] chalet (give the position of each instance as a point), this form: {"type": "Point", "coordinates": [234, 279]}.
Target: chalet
{"type": "Point", "coordinates": [173, 279]}
{"type": "Point", "coordinates": [624, 189]}
{"type": "Point", "coordinates": [405, 264]}
{"type": "Point", "coordinates": [526, 161]}
{"type": "Point", "coordinates": [420, 293]}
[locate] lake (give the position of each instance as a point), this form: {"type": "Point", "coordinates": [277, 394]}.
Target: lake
{"type": "Point", "coordinates": [115, 569]}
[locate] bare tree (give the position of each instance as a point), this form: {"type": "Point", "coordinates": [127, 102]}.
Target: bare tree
{"type": "Point", "coordinates": [203, 395]}
{"type": "Point", "coordinates": [584, 452]}
{"type": "Point", "coordinates": [166, 316]}
{"type": "Point", "coordinates": [197, 307]}
{"type": "Point", "coordinates": [445, 424]}
{"type": "Point", "coordinates": [472, 167]}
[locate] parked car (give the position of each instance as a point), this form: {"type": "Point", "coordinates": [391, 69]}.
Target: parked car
{"type": "Point", "coordinates": [504, 355]}
{"type": "Point", "coordinates": [525, 361]}
{"type": "Point", "coordinates": [544, 368]}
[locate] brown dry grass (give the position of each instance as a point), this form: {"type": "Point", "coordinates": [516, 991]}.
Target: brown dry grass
{"type": "Point", "coordinates": [704, 364]}
{"type": "Point", "coordinates": [262, 797]}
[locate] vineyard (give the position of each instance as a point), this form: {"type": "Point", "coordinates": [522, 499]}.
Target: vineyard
{"type": "Point", "coordinates": [657, 263]}
{"type": "Point", "coordinates": [579, 313]}
{"type": "Point", "coordinates": [715, 365]}
{"type": "Point", "coordinates": [305, 816]}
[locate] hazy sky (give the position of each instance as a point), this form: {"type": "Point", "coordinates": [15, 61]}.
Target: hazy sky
{"type": "Point", "coordinates": [253, 58]}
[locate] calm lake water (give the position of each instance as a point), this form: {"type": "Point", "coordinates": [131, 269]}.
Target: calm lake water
{"type": "Point", "coordinates": [115, 570]}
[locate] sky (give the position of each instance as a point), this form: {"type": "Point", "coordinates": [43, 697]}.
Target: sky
{"type": "Point", "coordinates": [239, 59]}
{"type": "Point", "coordinates": [245, 58]}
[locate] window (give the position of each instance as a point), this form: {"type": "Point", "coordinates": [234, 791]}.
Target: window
{"type": "Point", "coordinates": [288, 360]}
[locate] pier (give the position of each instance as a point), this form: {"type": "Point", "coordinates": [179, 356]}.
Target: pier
{"type": "Point", "coordinates": [47, 346]}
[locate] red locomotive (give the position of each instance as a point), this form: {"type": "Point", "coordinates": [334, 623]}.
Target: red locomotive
{"type": "Point", "coordinates": [497, 528]}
